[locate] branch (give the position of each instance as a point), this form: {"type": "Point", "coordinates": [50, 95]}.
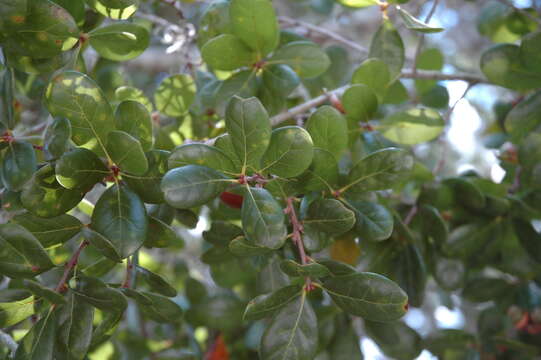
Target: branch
{"type": "Point", "coordinates": [8, 341]}
{"type": "Point", "coordinates": [436, 75]}
{"type": "Point", "coordinates": [322, 31]}
{"type": "Point", "coordinates": [422, 37]}
{"type": "Point", "coordinates": [61, 287]}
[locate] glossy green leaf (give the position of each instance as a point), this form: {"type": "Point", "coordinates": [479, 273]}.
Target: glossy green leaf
{"type": "Point", "coordinates": [120, 216]}
{"type": "Point", "coordinates": [263, 219]}
{"type": "Point", "coordinates": [415, 24]}
{"type": "Point", "coordinates": [328, 130]}
{"type": "Point", "coordinates": [201, 154]}
{"type": "Point", "coordinates": [330, 216]}
{"type": "Point", "coordinates": [175, 94]}
{"type": "Point", "coordinates": [387, 46]}
{"type": "Point", "coordinates": [127, 152]}
{"type": "Point", "coordinates": [38, 343]}
{"type": "Point", "coordinates": [192, 185]}
{"type": "Point", "coordinates": [44, 196]}
{"type": "Point", "coordinates": [243, 84]}
{"type": "Point", "coordinates": [280, 79]}
{"type": "Point", "coordinates": [368, 295]}
{"type": "Point", "coordinates": [214, 21]}
{"type": "Point", "coordinates": [156, 283]}
{"type": "Point", "coordinates": [75, 329]}
{"type": "Point", "coordinates": [57, 137]}
{"type": "Point", "coordinates": [360, 102]}
{"type": "Point", "coordinates": [102, 244]}
{"type": "Point", "coordinates": [41, 291]}
{"type": "Point", "coordinates": [523, 118]}
{"type": "Point", "coordinates": [530, 51]}
{"type": "Point", "coordinates": [529, 238]}
{"type": "Point", "coordinates": [248, 124]}
{"type": "Point", "coordinates": [125, 93]}
{"type": "Point", "coordinates": [133, 118]}
{"type": "Point", "coordinates": [337, 268]}
{"type": "Point", "coordinates": [268, 304]}
{"type": "Point", "coordinates": [306, 58]}
{"type": "Point", "coordinates": [380, 170]}
{"type": "Point", "coordinates": [161, 235]}
{"type": "Point", "coordinates": [119, 41]}
{"type": "Point", "coordinates": [221, 233]}
{"type": "Point", "coordinates": [115, 9]}
{"type": "Point", "coordinates": [242, 247]}
{"type": "Point", "coordinates": [413, 126]}
{"type": "Point", "coordinates": [467, 240]}
{"type": "Point", "coordinates": [227, 52]}
{"type": "Point", "coordinates": [373, 221]}
{"type": "Point", "coordinates": [503, 65]}
{"type": "Point", "coordinates": [322, 174]}
{"type": "Point", "coordinates": [80, 169]}
{"type": "Point", "coordinates": [147, 185]}
{"type": "Point", "coordinates": [271, 277]}
{"type": "Point", "coordinates": [292, 333]}
{"type": "Point", "coordinates": [358, 3]}
{"type": "Point", "coordinates": [433, 224]}
{"type": "Point", "coordinates": [18, 165]}
{"type": "Point", "coordinates": [162, 310]}
{"type": "Point", "coordinates": [289, 153]}
{"type": "Point", "coordinates": [396, 340]}
{"type": "Point", "coordinates": [255, 23]}
{"type": "Point", "coordinates": [95, 292]}
{"type": "Point", "coordinates": [21, 254]}
{"type": "Point", "coordinates": [75, 96]}
{"type": "Point", "coordinates": [346, 344]}
{"type": "Point", "coordinates": [293, 268]}
{"type": "Point", "coordinates": [13, 312]}
{"type": "Point", "coordinates": [31, 65]}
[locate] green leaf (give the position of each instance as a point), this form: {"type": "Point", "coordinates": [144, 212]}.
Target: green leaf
{"type": "Point", "coordinates": [387, 46]}
{"type": "Point", "coordinates": [263, 219]}
{"type": "Point", "coordinates": [239, 246]}
{"type": "Point", "coordinates": [529, 238]}
{"type": "Point", "coordinates": [201, 154]}
{"type": "Point", "coordinates": [358, 3]}
{"type": "Point", "coordinates": [18, 165]}
{"type": "Point", "coordinates": [102, 244]}
{"type": "Point", "coordinates": [40, 32]}
{"type": "Point", "coordinates": [268, 304]}
{"type": "Point", "coordinates": [38, 343]}
{"type": "Point", "coordinates": [133, 118]}
{"type": "Point", "coordinates": [433, 224]}
{"type": "Point", "coordinates": [369, 295]}
{"type": "Point", "coordinates": [360, 102]}
{"type": "Point", "coordinates": [147, 186]}
{"type": "Point", "coordinates": [227, 52]}
{"type": "Point", "coordinates": [75, 8]}
{"type": "Point", "coordinates": [162, 310]}
{"type": "Point", "coordinates": [161, 235]}
{"type": "Point", "coordinates": [289, 153]}
{"type": "Point", "coordinates": [255, 23]}
{"type": "Point", "coordinates": [119, 41]}
{"type": "Point", "coordinates": [280, 79]}
{"type": "Point", "coordinates": [127, 152]}
{"type": "Point", "coordinates": [415, 24]}
{"type": "Point", "coordinates": [271, 277]}
{"type": "Point", "coordinates": [214, 21]}
{"type": "Point", "coordinates": [322, 174]}
{"type": "Point", "coordinates": [56, 139]}
{"type": "Point", "coordinates": [375, 74]}
{"type": "Point", "coordinates": [503, 65]}
{"type": "Point", "coordinates": [175, 94]}
{"type": "Point", "coordinates": [41, 291]}
{"type": "Point", "coordinates": [330, 216]}
{"type": "Point", "coordinates": [306, 58]}
{"type": "Point", "coordinates": [221, 312]}
{"type": "Point", "coordinates": [380, 170]}
{"type": "Point", "coordinates": [292, 333]}
{"type": "Point", "coordinates": [295, 269]}
{"type": "Point", "coordinates": [429, 59]}
{"type": "Point", "coordinates": [80, 169]}
{"type": "Point", "coordinates": [14, 312]}
{"type": "Point", "coordinates": [467, 192]}
{"type": "Point", "coordinates": [43, 196]}
{"type": "Point", "coordinates": [21, 254]}
{"type": "Point", "coordinates": [328, 130]}
{"type": "Point", "coordinates": [374, 221]}
{"type": "Point", "coordinates": [530, 51]}
{"type": "Point", "coordinates": [115, 9]}
{"type": "Point", "coordinates": [156, 283]}
{"type": "Point", "coordinates": [125, 93]}
{"type": "Point", "coordinates": [243, 84]}
{"type": "Point", "coordinates": [95, 292]}
{"type": "Point", "coordinates": [523, 118]}
{"type": "Point", "coordinates": [482, 289]}
{"type": "Point", "coordinates": [75, 329]}
{"type": "Point", "coordinates": [221, 233]}
{"type": "Point", "coordinates": [413, 126]}
{"type": "Point", "coordinates": [120, 216]}
{"type": "Point", "coordinates": [75, 96]}
{"type": "Point", "coordinates": [337, 268]}
{"type": "Point", "coordinates": [248, 124]}
{"type": "Point", "coordinates": [346, 344]}
{"type": "Point", "coordinates": [192, 185]}
{"type": "Point", "coordinates": [396, 340]}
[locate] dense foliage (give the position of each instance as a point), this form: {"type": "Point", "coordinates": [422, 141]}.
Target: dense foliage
{"type": "Point", "coordinates": [319, 212]}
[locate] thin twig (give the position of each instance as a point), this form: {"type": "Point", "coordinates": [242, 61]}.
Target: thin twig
{"type": "Point", "coordinates": [61, 287]}
{"type": "Point", "coordinates": [522, 11]}
{"type": "Point", "coordinates": [436, 75]}
{"type": "Point", "coordinates": [411, 214]}
{"type": "Point", "coordinates": [129, 267]}
{"type": "Point", "coordinates": [8, 341]}
{"type": "Point", "coordinates": [422, 37]}
{"type": "Point", "coordinates": [322, 31]}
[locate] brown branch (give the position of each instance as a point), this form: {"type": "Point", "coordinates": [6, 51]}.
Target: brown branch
{"type": "Point", "coordinates": [70, 265]}
{"type": "Point", "coordinates": [422, 38]}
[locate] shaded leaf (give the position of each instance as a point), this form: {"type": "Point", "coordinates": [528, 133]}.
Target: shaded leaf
{"type": "Point", "coordinates": [38, 343]}
{"type": "Point", "coordinates": [227, 52]}
{"type": "Point", "coordinates": [293, 268]}
{"type": "Point", "coordinates": [102, 244]}
{"type": "Point", "coordinates": [201, 154]}
{"type": "Point", "coordinates": [413, 126]}
{"type": "Point", "coordinates": [156, 283]}
{"type": "Point", "coordinates": [41, 291]}
{"type": "Point", "coordinates": [175, 94]}
{"type": "Point", "coordinates": [322, 174]}
{"type": "Point", "coordinates": [119, 41]}
{"type": "Point", "coordinates": [147, 185]}
{"type": "Point", "coordinates": [267, 304]}
{"type": "Point", "coordinates": [14, 312]}
{"type": "Point", "coordinates": [127, 152]}
{"type": "Point", "coordinates": [306, 58]}
{"type": "Point", "coordinates": [133, 118]}
{"type": "Point", "coordinates": [328, 130]}
{"type": "Point", "coordinates": [80, 169]}
{"type": "Point", "coordinates": [415, 24]}
{"type": "Point", "coordinates": [329, 216]}
{"type": "Point", "coordinates": [387, 46]}
{"type": "Point", "coordinates": [18, 165]}
{"type": "Point", "coordinates": [373, 221]}
{"type": "Point", "coordinates": [56, 138]}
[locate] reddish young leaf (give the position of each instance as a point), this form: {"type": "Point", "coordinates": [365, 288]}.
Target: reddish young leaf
{"type": "Point", "coordinates": [218, 351]}
{"type": "Point", "coordinates": [232, 200]}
